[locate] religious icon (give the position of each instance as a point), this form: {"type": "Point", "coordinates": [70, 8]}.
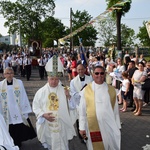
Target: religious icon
{"type": "Point", "coordinates": [53, 102]}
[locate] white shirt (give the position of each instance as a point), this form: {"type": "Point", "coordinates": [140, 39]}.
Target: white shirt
{"type": "Point", "coordinates": [124, 84]}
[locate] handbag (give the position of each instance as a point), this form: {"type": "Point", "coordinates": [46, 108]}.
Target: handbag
{"type": "Point", "coordinates": [146, 85]}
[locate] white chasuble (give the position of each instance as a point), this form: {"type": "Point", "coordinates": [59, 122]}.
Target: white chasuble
{"type": "Point", "coordinates": [107, 117]}
{"type": "Point", "coordinates": [57, 133]}
{"type": "Point", "coordinates": [5, 138]}
{"type": "Point", "coordinates": [55, 126]}
{"type": "Point", "coordinates": [14, 102]}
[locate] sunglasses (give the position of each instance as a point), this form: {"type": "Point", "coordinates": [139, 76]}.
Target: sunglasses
{"type": "Point", "coordinates": [97, 73]}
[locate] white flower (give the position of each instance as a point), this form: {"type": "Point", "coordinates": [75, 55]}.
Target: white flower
{"type": "Point", "coordinates": [146, 147]}
{"type": "Point", "coordinates": [147, 136]}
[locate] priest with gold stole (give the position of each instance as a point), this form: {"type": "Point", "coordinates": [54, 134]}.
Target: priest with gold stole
{"type": "Point", "coordinates": [15, 107]}
{"type": "Point", "coordinates": [99, 120]}
{"type": "Point", "coordinates": [50, 105]}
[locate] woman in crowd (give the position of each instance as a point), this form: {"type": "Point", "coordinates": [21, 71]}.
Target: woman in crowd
{"type": "Point", "coordinates": [74, 66]}
{"type": "Point", "coordinates": [126, 62]}
{"type": "Point", "coordinates": [69, 68]}
{"type": "Point", "coordinates": [138, 78]}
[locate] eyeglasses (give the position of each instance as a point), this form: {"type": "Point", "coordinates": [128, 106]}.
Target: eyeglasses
{"type": "Point", "coordinates": [9, 73]}
{"type": "Point", "coordinates": [97, 73]}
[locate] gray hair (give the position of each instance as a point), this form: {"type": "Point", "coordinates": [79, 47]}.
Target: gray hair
{"type": "Point", "coordinates": [8, 69]}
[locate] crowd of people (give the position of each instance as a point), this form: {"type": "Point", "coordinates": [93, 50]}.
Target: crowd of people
{"type": "Point", "coordinates": [98, 85]}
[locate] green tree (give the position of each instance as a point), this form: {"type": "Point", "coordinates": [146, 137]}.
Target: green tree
{"type": "Point", "coordinates": [52, 29]}
{"type": "Point", "coordinates": [89, 34]}
{"type": "Point", "coordinates": [27, 13]}
{"type": "Point", "coordinates": [127, 36]}
{"type": "Point", "coordinates": [143, 35]}
{"type": "Point", "coordinates": [118, 13]}
{"type": "Point", "coordinates": [106, 31]}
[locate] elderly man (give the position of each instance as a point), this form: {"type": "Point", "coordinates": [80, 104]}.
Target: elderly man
{"type": "Point", "coordinates": [15, 107]}
{"type": "Point", "coordinates": [76, 85]}
{"type": "Point", "coordinates": [79, 82]}
{"type": "Point", "coordinates": [99, 119]}
{"type": "Point", "coordinates": [50, 105]}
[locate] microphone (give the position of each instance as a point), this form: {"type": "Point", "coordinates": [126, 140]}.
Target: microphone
{"type": "Point", "coordinates": [85, 138]}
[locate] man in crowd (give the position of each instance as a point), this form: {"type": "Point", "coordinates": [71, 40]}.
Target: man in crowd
{"type": "Point", "coordinates": [131, 70]}
{"type": "Point", "coordinates": [15, 106]}
{"type": "Point", "coordinates": [99, 119]}
{"type": "Point", "coordinates": [50, 105]}
{"type": "Point", "coordinates": [41, 62]}
{"type": "Point", "coordinates": [27, 66]}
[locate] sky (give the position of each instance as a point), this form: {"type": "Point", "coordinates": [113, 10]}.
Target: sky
{"type": "Point", "coordinates": [138, 13]}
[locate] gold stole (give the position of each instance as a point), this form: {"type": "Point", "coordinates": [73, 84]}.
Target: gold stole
{"type": "Point", "coordinates": [91, 112]}
{"type": "Point", "coordinates": [4, 95]}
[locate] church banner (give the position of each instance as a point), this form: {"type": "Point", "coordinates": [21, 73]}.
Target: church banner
{"type": "Point", "coordinates": [148, 28]}
{"type": "Point", "coordinates": [101, 16]}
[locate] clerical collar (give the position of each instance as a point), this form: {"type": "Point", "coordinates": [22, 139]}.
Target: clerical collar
{"type": "Point", "coordinates": [10, 83]}
{"type": "Point", "coordinates": [82, 78]}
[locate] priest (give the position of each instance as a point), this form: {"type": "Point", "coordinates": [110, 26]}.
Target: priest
{"type": "Point", "coordinates": [15, 107]}
{"type": "Point", "coordinates": [99, 120]}
{"type": "Point", "coordinates": [50, 105]}
{"type": "Point", "coordinates": [76, 85]}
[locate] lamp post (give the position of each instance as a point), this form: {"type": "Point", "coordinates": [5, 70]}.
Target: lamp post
{"type": "Point", "coordinates": [20, 40]}
{"type": "Point", "coordinates": [71, 39]}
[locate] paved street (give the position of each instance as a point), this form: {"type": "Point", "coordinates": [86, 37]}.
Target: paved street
{"type": "Point", "coordinates": [135, 129]}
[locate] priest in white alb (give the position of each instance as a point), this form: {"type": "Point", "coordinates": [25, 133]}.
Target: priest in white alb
{"type": "Point", "coordinates": [15, 107]}
{"type": "Point", "coordinates": [99, 120]}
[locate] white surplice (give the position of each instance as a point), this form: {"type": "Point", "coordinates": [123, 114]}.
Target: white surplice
{"type": "Point", "coordinates": [18, 107]}
{"type": "Point", "coordinates": [75, 86]}
{"type": "Point", "coordinates": [108, 118]}
{"type": "Point", "coordinates": [5, 138]}
{"type": "Point", "coordinates": [54, 140]}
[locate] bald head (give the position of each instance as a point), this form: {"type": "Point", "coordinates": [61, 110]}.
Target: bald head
{"type": "Point", "coordinates": [81, 70]}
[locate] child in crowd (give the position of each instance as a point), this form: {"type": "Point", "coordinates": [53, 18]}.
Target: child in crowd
{"type": "Point", "coordinates": [125, 90]}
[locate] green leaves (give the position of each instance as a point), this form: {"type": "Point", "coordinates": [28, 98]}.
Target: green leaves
{"type": "Point", "coordinates": [28, 13]}
{"type": "Point", "coordinates": [125, 7]}
{"type": "Point", "coordinates": [52, 29]}
{"type": "Point", "coordinates": [89, 34]}
{"type": "Point", "coordinates": [143, 35]}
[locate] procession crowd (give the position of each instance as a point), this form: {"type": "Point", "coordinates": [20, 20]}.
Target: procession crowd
{"type": "Point", "coordinates": [98, 84]}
